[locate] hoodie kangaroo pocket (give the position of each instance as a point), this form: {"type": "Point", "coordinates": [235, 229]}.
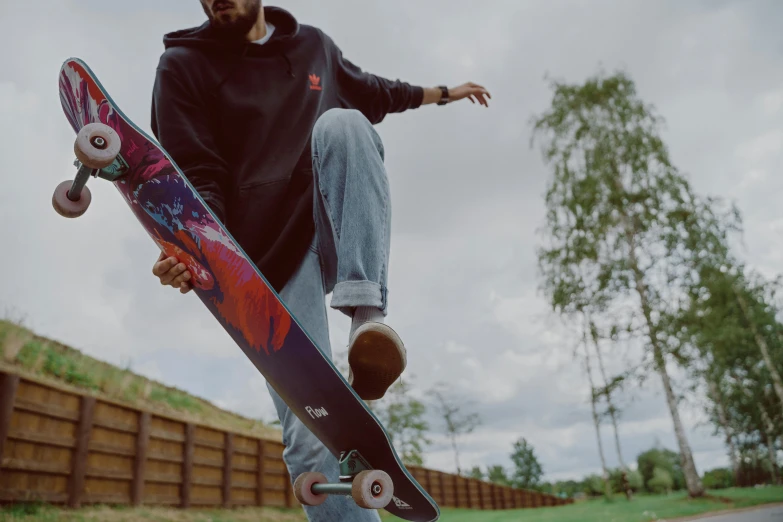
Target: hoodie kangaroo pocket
{"type": "Point", "coordinates": [259, 215]}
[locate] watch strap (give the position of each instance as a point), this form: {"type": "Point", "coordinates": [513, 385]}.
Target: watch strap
{"type": "Point", "coordinates": [444, 95]}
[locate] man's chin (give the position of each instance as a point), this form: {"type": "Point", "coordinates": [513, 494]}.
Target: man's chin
{"type": "Point", "coordinates": [232, 23]}
{"type": "Point", "coordinates": [228, 26]}
{"type": "Point", "coordinates": [225, 17]}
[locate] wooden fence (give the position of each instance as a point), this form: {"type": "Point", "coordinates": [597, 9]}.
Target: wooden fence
{"type": "Point", "coordinates": [460, 492]}
{"type": "Point", "coordinates": [60, 446]}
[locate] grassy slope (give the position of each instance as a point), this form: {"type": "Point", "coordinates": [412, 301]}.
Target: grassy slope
{"type": "Point", "coordinates": [24, 352]}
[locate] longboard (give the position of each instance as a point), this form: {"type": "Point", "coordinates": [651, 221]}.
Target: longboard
{"type": "Point", "coordinates": [110, 146]}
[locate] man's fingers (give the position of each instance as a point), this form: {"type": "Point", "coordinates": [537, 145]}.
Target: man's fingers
{"type": "Point", "coordinates": [181, 279]}
{"type": "Point", "coordinates": [474, 92]}
{"type": "Point", "coordinates": [176, 274]}
{"type": "Point", "coordinates": [478, 93]}
{"type": "Point", "coordinates": [163, 266]}
{"type": "Point", "coordinates": [172, 273]}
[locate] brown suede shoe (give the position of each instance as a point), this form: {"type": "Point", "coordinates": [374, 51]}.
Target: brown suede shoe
{"type": "Point", "coordinates": [376, 358]}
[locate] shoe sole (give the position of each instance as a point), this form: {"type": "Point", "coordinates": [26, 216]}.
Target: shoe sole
{"type": "Point", "coordinates": [377, 359]}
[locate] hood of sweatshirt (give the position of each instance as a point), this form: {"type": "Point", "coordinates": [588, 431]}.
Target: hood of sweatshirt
{"type": "Point", "coordinates": [207, 38]}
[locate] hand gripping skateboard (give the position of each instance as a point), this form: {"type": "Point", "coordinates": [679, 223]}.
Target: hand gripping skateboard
{"type": "Point", "coordinates": [110, 146]}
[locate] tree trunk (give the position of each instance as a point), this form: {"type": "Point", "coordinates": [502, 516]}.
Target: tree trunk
{"type": "Point", "coordinates": [777, 382]}
{"type": "Point", "coordinates": [596, 421]}
{"type": "Point", "coordinates": [612, 413]}
{"type": "Point", "coordinates": [724, 421]}
{"type": "Point", "coordinates": [692, 480]}
{"type": "Point", "coordinates": [769, 429]}
{"type": "Point", "coordinates": [771, 438]}
{"type": "Point", "coordinates": [456, 453]}
{"type": "Point", "coordinates": [695, 487]}
{"type": "Point", "coordinates": [773, 461]}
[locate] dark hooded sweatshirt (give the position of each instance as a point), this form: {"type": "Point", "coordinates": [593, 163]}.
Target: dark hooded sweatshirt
{"type": "Point", "coordinates": [237, 118]}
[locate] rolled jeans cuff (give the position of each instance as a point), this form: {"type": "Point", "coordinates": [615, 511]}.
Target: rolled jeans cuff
{"type": "Point", "coordinates": [348, 295]}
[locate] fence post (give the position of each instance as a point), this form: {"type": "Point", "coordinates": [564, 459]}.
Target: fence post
{"type": "Point", "coordinates": [428, 481]}
{"type": "Point", "coordinates": [442, 484]}
{"type": "Point", "coordinates": [187, 464]}
{"type": "Point", "coordinates": [79, 467]}
{"type": "Point", "coordinates": [261, 465]}
{"type": "Point", "coordinates": [140, 464]}
{"type": "Point", "coordinates": [227, 457]}
{"type": "Point", "coordinates": [468, 482]}
{"type": "Point", "coordinates": [455, 487]}
{"type": "Point", "coordinates": [8, 385]}
{"type": "Point", "coordinates": [481, 494]}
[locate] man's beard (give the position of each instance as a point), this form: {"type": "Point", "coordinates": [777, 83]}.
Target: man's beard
{"type": "Point", "coordinates": [241, 25]}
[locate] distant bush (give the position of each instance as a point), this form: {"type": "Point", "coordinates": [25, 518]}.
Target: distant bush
{"type": "Point", "coordinates": [594, 486]}
{"type": "Point", "coordinates": [661, 481]}
{"type": "Point", "coordinates": [718, 478]}
{"type": "Point", "coordinates": [664, 459]}
{"type": "Point", "coordinates": [635, 480]}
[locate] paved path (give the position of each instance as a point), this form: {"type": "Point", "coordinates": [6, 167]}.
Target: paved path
{"type": "Point", "coordinates": [764, 514]}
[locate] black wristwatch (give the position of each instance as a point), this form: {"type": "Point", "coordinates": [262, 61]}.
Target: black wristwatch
{"type": "Point", "coordinates": [444, 95]}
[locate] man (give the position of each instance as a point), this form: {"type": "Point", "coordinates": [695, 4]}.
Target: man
{"type": "Point", "coordinates": [274, 129]}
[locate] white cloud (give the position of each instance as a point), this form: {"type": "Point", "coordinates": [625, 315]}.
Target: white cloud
{"type": "Point", "coordinates": [457, 348]}
{"type": "Point", "coordinates": [760, 149]}
{"type": "Point", "coordinates": [772, 102]}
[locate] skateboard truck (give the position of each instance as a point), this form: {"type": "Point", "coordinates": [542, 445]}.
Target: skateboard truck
{"type": "Point", "coordinates": [369, 488]}
{"type": "Point", "coordinates": [96, 147]}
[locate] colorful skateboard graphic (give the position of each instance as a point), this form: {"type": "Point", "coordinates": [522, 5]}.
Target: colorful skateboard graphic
{"type": "Point", "coordinates": [110, 146]}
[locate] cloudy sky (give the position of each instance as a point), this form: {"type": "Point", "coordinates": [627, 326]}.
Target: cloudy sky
{"type": "Point", "coordinates": [467, 195]}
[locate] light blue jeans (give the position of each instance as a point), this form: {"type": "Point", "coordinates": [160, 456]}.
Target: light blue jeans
{"type": "Point", "coordinates": [349, 258]}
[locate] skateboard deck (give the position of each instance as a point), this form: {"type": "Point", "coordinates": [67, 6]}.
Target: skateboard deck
{"type": "Point", "coordinates": [235, 292]}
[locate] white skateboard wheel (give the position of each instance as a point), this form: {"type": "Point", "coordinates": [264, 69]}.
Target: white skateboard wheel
{"type": "Point", "coordinates": [67, 208]}
{"type": "Point", "coordinates": [97, 145]}
{"type": "Point", "coordinates": [303, 488]}
{"type": "Point", "coordinates": [372, 489]}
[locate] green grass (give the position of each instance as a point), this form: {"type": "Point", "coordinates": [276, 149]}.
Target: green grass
{"type": "Point", "coordinates": [177, 400]}
{"type": "Point", "coordinates": [751, 496]}
{"type": "Point", "coordinates": [42, 513]}
{"type": "Point", "coordinates": [644, 508]}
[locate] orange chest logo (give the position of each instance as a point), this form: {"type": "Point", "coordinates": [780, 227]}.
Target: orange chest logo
{"type": "Point", "coordinates": [315, 82]}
